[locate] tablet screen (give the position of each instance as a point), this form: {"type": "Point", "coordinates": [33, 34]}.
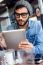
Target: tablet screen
{"type": "Point", "coordinates": [14, 37]}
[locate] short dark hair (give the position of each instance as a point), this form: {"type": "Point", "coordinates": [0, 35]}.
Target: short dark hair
{"type": "Point", "coordinates": [20, 6]}
{"type": "Point", "coordinates": [24, 3]}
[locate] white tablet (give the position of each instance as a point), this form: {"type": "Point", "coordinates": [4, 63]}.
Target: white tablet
{"type": "Point", "coordinates": [13, 37]}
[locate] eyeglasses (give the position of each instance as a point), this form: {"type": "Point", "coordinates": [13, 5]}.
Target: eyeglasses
{"type": "Point", "coordinates": [23, 15]}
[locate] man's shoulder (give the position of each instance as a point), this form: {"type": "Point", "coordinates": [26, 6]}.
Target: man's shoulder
{"type": "Point", "coordinates": [35, 22]}
{"type": "Point", "coordinates": [12, 26]}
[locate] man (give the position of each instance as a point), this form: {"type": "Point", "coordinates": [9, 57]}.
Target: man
{"type": "Point", "coordinates": [39, 15]}
{"type": "Point", "coordinates": [34, 33]}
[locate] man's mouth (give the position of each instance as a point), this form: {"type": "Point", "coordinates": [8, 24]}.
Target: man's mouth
{"type": "Point", "coordinates": [21, 23]}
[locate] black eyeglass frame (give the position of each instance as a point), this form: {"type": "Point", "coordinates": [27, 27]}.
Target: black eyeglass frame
{"type": "Point", "coordinates": [24, 15]}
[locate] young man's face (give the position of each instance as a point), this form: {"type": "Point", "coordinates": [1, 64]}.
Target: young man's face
{"type": "Point", "coordinates": [21, 15]}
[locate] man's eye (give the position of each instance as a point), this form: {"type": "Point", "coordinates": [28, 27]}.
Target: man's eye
{"type": "Point", "coordinates": [24, 14]}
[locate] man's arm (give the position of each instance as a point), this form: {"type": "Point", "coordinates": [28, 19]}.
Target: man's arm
{"type": "Point", "coordinates": [36, 38]}
{"type": "Point", "coordinates": [39, 39]}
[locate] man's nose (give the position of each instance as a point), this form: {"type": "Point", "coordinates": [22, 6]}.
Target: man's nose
{"type": "Point", "coordinates": [20, 17]}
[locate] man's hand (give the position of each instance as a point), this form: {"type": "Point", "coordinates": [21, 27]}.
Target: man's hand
{"type": "Point", "coordinates": [25, 45]}
{"type": "Point", "coordinates": [2, 41]}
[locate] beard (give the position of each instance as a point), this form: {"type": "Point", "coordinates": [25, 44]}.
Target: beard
{"type": "Point", "coordinates": [22, 23]}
